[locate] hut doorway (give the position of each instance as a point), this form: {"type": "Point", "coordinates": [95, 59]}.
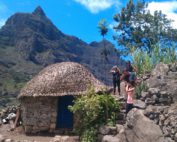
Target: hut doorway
{"type": "Point", "coordinates": [64, 116]}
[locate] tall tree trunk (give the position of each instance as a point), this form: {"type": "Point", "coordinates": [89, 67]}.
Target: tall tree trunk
{"type": "Point", "coordinates": [104, 58]}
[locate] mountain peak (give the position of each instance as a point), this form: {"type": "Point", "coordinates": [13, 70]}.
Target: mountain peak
{"type": "Point", "coordinates": [101, 43]}
{"type": "Point", "coordinates": [39, 11]}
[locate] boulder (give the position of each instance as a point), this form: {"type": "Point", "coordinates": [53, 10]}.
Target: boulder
{"type": "Point", "coordinates": [57, 139]}
{"type": "Point", "coordinates": [121, 137]}
{"type": "Point", "coordinates": [165, 101]}
{"type": "Point", "coordinates": [167, 83]}
{"type": "Point", "coordinates": [0, 121]}
{"type": "Point", "coordinates": [139, 104]}
{"type": "Point", "coordinates": [149, 101]}
{"type": "Point", "coordinates": [154, 82]}
{"type": "Point", "coordinates": [168, 139]}
{"type": "Point", "coordinates": [120, 128]}
{"type": "Point", "coordinates": [110, 138]}
{"type": "Point", "coordinates": [2, 138]}
{"type": "Point", "coordinates": [154, 110]}
{"type": "Point", "coordinates": [160, 70]}
{"type": "Point", "coordinates": [154, 91]}
{"type": "Point", "coordinates": [141, 129]}
{"type": "Point", "coordinates": [9, 140]}
{"type": "Point", "coordinates": [144, 95]}
{"type": "Point", "coordinates": [121, 133]}
{"type": "Point", "coordinates": [172, 89]}
{"type": "Point", "coordinates": [173, 67]}
{"type": "Point", "coordinates": [118, 138]}
{"type": "Point", "coordinates": [175, 137]}
{"type": "Point", "coordinates": [107, 130]}
{"type": "Point", "coordinates": [121, 116]}
{"type": "Point", "coordinates": [165, 117]}
{"type": "Point", "coordinates": [170, 122]}
{"type": "Point", "coordinates": [171, 75]}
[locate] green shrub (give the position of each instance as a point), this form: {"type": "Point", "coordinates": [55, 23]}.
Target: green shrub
{"type": "Point", "coordinates": [145, 61]}
{"type": "Point", "coordinates": [140, 88]}
{"type": "Point", "coordinates": [89, 135]}
{"type": "Point", "coordinates": [92, 111]}
{"type": "Point", "coordinates": [9, 85]}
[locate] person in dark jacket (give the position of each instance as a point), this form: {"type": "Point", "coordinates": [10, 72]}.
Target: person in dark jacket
{"type": "Point", "coordinates": [116, 78]}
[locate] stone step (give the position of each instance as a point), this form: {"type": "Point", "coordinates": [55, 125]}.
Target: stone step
{"type": "Point", "coordinates": [121, 122]}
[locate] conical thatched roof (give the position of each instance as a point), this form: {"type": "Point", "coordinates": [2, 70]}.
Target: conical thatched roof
{"type": "Point", "coordinates": [66, 78]}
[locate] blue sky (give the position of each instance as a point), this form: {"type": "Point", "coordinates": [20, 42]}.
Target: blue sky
{"type": "Point", "coordinates": [80, 17]}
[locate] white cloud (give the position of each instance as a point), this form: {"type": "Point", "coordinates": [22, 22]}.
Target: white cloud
{"type": "Point", "coordinates": [95, 6]}
{"type": "Point", "coordinates": [167, 7]}
{"type": "Point", "coordinates": [2, 22]}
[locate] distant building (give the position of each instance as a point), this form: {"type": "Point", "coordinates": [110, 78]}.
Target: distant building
{"type": "Point", "coordinates": [45, 98]}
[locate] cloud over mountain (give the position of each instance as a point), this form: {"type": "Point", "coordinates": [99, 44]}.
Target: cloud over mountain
{"type": "Point", "coordinates": [95, 6]}
{"type": "Point", "coordinates": [167, 7]}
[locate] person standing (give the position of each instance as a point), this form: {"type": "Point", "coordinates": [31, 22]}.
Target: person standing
{"type": "Point", "coordinates": [130, 92]}
{"type": "Point", "coordinates": [116, 78]}
{"type": "Point", "coordinates": [131, 72]}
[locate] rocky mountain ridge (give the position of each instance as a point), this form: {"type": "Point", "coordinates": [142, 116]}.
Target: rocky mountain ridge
{"type": "Point", "coordinates": [30, 41]}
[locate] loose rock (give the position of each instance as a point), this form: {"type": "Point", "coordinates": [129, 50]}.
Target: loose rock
{"type": "Point", "coordinates": [141, 129]}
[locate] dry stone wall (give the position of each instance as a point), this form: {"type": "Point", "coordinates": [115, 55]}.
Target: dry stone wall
{"type": "Point", "coordinates": [39, 114]}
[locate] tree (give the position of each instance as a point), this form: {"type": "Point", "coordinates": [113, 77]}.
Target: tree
{"type": "Point", "coordinates": [138, 28]}
{"type": "Point", "coordinates": [102, 25]}
{"type": "Point", "coordinates": [103, 29]}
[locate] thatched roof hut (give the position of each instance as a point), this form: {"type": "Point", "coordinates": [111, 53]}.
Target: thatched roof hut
{"type": "Point", "coordinates": [66, 78]}
{"type": "Point", "coordinates": [51, 90]}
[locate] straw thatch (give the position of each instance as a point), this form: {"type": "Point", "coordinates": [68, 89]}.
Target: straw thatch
{"type": "Point", "coordinates": [66, 78]}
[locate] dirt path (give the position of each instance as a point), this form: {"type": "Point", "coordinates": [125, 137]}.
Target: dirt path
{"type": "Point", "coordinates": [18, 134]}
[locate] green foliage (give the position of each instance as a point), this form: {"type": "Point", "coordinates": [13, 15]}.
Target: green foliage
{"type": "Point", "coordinates": [137, 27]}
{"type": "Point", "coordinates": [89, 135]}
{"type": "Point", "coordinates": [142, 60]}
{"type": "Point", "coordinates": [19, 77]}
{"type": "Point", "coordinates": [9, 84]}
{"type": "Point", "coordinates": [145, 61]}
{"type": "Point", "coordinates": [92, 111]}
{"type": "Point", "coordinates": [166, 54]}
{"type": "Point", "coordinates": [14, 81]}
{"type": "Point", "coordinates": [140, 88]}
{"type": "Point", "coordinates": [103, 27]}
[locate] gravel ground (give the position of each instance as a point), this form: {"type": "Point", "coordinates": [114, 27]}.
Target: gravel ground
{"type": "Point", "coordinates": [18, 134]}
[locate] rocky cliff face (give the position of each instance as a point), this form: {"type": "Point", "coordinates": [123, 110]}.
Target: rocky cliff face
{"type": "Point", "coordinates": [154, 118]}
{"type": "Point", "coordinates": [30, 41]}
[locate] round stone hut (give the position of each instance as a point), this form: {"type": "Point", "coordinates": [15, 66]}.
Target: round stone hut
{"type": "Point", "coordinates": [46, 97]}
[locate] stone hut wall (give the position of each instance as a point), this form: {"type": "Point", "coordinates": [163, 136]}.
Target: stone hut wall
{"type": "Point", "coordinates": [39, 114]}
